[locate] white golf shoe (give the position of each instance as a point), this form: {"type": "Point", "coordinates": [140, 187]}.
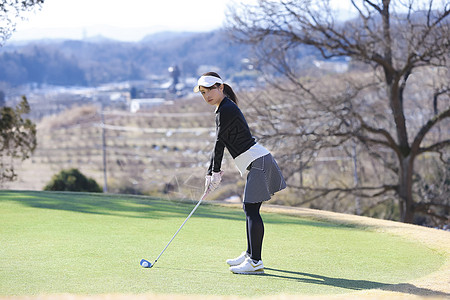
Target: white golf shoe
{"type": "Point", "coordinates": [248, 267]}
{"type": "Point", "coordinates": [238, 260]}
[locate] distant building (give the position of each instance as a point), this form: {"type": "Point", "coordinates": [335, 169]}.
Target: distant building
{"type": "Point", "coordinates": [175, 74]}
{"type": "Point", "coordinates": [139, 104]}
{"type": "Point", "coordinates": [332, 66]}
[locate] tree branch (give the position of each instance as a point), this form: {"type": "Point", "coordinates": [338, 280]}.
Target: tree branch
{"type": "Point", "coordinates": [373, 5]}
{"type": "Point", "coordinates": [415, 146]}
{"type": "Point", "coordinates": [380, 190]}
{"type": "Point", "coordinates": [435, 147]}
{"type": "Point", "coordinates": [436, 96]}
{"type": "Point", "coordinates": [389, 142]}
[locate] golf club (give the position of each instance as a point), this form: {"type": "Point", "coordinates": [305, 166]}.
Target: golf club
{"type": "Point", "coordinates": [145, 263]}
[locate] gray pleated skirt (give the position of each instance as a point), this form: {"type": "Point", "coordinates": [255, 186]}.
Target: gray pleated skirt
{"type": "Point", "coordinates": [263, 180]}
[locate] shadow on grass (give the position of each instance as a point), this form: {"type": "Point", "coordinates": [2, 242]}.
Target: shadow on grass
{"type": "Point", "coordinates": [138, 207]}
{"type": "Point", "coordinates": [101, 204]}
{"type": "Point", "coordinates": [351, 284]}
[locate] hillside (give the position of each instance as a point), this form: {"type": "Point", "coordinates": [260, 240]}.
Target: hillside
{"type": "Point", "coordinates": [90, 63]}
{"type": "Point", "coordinates": [164, 150]}
{"type": "Point", "coordinates": [94, 62]}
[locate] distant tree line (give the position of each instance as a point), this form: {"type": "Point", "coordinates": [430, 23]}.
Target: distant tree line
{"type": "Point", "coordinates": [90, 63]}
{"type": "Point", "coordinates": [40, 66]}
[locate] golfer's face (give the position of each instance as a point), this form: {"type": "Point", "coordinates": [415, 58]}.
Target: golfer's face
{"type": "Point", "coordinates": [212, 95]}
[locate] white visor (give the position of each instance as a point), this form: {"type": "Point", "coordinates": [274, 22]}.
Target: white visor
{"type": "Point", "coordinates": [207, 81]}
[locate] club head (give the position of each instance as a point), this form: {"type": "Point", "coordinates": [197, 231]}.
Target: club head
{"type": "Point", "coordinates": [146, 264]}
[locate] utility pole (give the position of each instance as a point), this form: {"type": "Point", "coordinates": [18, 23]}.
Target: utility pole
{"type": "Point", "coordinates": [105, 181]}
{"type": "Point", "coordinates": [356, 180]}
{"type": "Point", "coordinates": [301, 170]}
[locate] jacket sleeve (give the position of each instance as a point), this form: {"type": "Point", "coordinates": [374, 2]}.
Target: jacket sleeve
{"type": "Point", "coordinates": [216, 157]}
{"type": "Point", "coordinates": [219, 146]}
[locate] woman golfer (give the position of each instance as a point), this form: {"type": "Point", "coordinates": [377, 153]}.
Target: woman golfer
{"type": "Point", "coordinates": [264, 177]}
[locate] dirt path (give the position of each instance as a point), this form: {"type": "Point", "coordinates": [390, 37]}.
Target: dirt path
{"type": "Point", "coordinates": [432, 286]}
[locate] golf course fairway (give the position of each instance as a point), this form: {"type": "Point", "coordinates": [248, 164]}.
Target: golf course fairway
{"type": "Point", "coordinates": [55, 243]}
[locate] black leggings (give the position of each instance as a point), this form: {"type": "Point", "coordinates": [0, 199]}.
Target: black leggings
{"type": "Point", "coordinates": [255, 230]}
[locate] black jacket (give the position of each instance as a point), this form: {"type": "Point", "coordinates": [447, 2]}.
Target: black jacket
{"type": "Point", "coordinates": [232, 132]}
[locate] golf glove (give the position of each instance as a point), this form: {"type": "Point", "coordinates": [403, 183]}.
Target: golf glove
{"type": "Point", "coordinates": [213, 181]}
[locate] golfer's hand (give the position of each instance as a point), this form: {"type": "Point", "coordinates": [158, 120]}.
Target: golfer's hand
{"type": "Point", "coordinates": [216, 178]}
{"type": "Point", "coordinates": [213, 181]}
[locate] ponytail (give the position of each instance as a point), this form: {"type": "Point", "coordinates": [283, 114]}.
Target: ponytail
{"type": "Point", "coordinates": [227, 90]}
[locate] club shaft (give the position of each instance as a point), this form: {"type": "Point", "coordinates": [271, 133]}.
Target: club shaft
{"type": "Point", "coordinates": [192, 212]}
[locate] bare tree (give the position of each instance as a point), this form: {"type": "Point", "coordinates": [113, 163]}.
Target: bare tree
{"type": "Point", "coordinates": [10, 11]}
{"type": "Point", "coordinates": [406, 45]}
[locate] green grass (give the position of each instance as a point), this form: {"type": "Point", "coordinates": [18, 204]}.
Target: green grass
{"type": "Point", "coordinates": [53, 243]}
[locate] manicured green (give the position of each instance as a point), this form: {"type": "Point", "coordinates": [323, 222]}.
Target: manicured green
{"type": "Point", "coordinates": [53, 243]}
